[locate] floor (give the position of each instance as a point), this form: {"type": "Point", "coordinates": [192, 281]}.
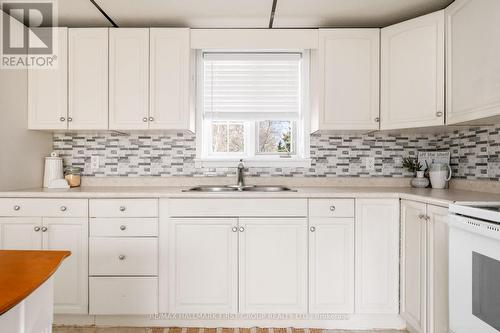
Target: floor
{"type": "Point", "coordinates": [204, 330]}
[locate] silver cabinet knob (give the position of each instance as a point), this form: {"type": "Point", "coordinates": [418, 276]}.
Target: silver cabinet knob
{"type": "Point", "coordinates": [332, 208]}
{"type": "Point", "coordinates": [62, 119]}
{"type": "Point", "coordinates": [234, 229]}
{"type": "Point", "coordinates": [427, 218]}
{"type": "Point", "coordinates": [242, 229]}
{"type": "Point", "coordinates": [123, 208]}
{"type": "Point", "coordinates": [37, 229]}
{"type": "Point", "coordinates": [16, 207]}
{"type": "Point", "coordinates": [312, 229]}
{"type": "Point", "coordinates": [377, 120]}
{"type": "Point", "coordinates": [421, 216]}
{"type": "Point", "coordinates": [70, 119]}
{"type": "Point", "coordinates": [64, 208]}
{"type": "Point", "coordinates": [439, 114]}
{"type": "Point", "coordinates": [44, 229]}
{"type": "Point", "coordinates": [151, 119]}
{"type": "Point", "coordinates": [145, 119]}
{"type": "Point", "coordinates": [123, 227]}
{"type": "Point", "coordinates": [121, 257]}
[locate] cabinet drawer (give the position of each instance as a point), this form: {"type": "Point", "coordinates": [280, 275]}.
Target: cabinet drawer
{"type": "Point", "coordinates": [331, 207]}
{"type": "Point", "coordinates": [124, 227]}
{"type": "Point", "coordinates": [123, 208]}
{"type": "Point", "coordinates": [29, 207]}
{"type": "Point", "coordinates": [238, 207]}
{"type": "Point", "coordinates": [123, 295]}
{"type": "Point", "coordinates": [123, 256]}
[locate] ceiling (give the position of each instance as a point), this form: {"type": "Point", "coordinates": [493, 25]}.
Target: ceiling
{"type": "Point", "coordinates": [244, 13]}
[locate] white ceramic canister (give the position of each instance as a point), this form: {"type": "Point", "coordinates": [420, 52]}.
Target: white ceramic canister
{"type": "Point", "coordinates": [439, 173]}
{"type": "Point", "coordinates": [53, 169]}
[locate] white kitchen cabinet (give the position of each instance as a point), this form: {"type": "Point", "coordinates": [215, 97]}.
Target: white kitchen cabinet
{"type": "Point", "coordinates": [88, 79]}
{"type": "Point", "coordinates": [169, 79]}
{"type": "Point", "coordinates": [128, 78]}
{"type": "Point", "coordinates": [412, 73]}
{"type": "Point", "coordinates": [331, 265]}
{"type": "Point", "coordinates": [273, 265]}
{"type": "Point", "coordinates": [413, 264]}
{"type": "Point", "coordinates": [348, 79]}
{"type": "Point", "coordinates": [472, 66]}
{"type": "Point", "coordinates": [424, 267]}
{"type": "Point", "coordinates": [203, 265]}
{"type": "Point", "coordinates": [48, 89]}
{"type": "Point", "coordinates": [20, 234]}
{"type": "Point", "coordinates": [71, 279]}
{"type": "Point", "coordinates": [377, 256]}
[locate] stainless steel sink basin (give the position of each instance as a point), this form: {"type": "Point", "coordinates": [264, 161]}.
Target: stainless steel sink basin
{"type": "Point", "coordinates": [260, 188]}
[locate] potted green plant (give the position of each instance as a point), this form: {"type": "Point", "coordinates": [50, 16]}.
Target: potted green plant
{"type": "Point", "coordinates": [414, 166]}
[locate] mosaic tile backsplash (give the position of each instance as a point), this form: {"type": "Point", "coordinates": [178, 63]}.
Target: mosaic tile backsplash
{"type": "Point", "coordinates": [475, 153]}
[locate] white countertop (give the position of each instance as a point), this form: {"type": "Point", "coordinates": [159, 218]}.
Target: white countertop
{"type": "Point", "coordinates": [432, 196]}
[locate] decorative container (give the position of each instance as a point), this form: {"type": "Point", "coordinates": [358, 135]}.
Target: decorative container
{"type": "Point", "coordinates": [420, 181]}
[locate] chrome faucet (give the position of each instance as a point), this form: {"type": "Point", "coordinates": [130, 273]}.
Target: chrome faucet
{"type": "Point", "coordinates": [241, 169]}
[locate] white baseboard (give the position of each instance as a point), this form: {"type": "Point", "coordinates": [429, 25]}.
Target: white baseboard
{"type": "Point", "coordinates": [353, 322]}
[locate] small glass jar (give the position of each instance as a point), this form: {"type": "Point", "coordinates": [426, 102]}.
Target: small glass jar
{"type": "Point", "coordinates": [73, 176]}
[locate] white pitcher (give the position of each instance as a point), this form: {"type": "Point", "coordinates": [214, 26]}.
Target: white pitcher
{"type": "Point", "coordinates": [439, 173]}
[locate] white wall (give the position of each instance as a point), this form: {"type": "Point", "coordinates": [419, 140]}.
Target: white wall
{"type": "Point", "coordinates": [22, 151]}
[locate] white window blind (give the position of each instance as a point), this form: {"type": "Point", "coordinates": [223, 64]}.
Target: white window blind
{"type": "Point", "coordinates": [257, 86]}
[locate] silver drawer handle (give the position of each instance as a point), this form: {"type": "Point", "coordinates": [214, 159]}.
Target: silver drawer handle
{"type": "Point", "coordinates": [121, 257]}
{"type": "Point", "coordinates": [332, 208]}
{"type": "Point", "coordinates": [37, 229]}
{"type": "Point", "coordinates": [234, 229]}
{"type": "Point", "coordinates": [16, 207]}
{"type": "Point", "coordinates": [44, 229]}
{"type": "Point", "coordinates": [122, 227]}
{"type": "Point", "coordinates": [242, 229]}
{"type": "Point", "coordinates": [64, 208]}
{"type": "Point", "coordinates": [123, 208]}
{"type": "Point", "coordinates": [313, 229]}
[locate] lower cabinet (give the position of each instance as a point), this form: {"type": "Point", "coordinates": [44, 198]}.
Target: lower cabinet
{"type": "Point", "coordinates": [204, 274]}
{"type": "Point", "coordinates": [424, 267]}
{"type": "Point", "coordinates": [203, 265]}
{"type": "Point", "coordinates": [273, 265]}
{"type": "Point", "coordinates": [377, 256]}
{"type": "Point", "coordinates": [331, 265]}
{"type": "Point", "coordinates": [35, 233]}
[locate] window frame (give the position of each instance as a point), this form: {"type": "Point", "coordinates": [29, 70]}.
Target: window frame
{"type": "Point", "coordinates": [301, 127]}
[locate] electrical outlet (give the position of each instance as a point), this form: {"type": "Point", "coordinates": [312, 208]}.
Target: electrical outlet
{"type": "Point", "coordinates": [370, 163]}
{"type": "Point", "coordinates": [94, 162]}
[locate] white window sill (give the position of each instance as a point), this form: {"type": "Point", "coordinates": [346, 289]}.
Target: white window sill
{"type": "Point", "coordinates": [253, 163]}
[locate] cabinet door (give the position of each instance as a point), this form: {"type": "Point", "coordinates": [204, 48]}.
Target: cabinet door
{"type": "Point", "coordinates": [472, 66]}
{"type": "Point", "coordinates": [88, 79]}
{"type": "Point", "coordinates": [349, 79]}
{"type": "Point", "coordinates": [437, 303]}
{"type": "Point", "coordinates": [169, 79]}
{"type": "Point", "coordinates": [412, 73]}
{"type": "Point", "coordinates": [331, 265]}
{"type": "Point", "coordinates": [377, 256]}
{"type": "Point", "coordinates": [128, 78]}
{"type": "Point", "coordinates": [203, 265]}
{"type": "Point", "coordinates": [71, 279]}
{"type": "Point", "coordinates": [48, 89]}
{"type": "Point", "coordinates": [273, 265]}
{"type": "Point", "coordinates": [413, 264]}
{"type": "Point", "coordinates": [20, 233]}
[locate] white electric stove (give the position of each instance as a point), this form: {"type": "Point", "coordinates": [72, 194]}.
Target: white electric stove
{"type": "Point", "coordinates": [474, 272]}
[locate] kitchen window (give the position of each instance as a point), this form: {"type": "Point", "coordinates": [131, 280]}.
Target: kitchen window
{"type": "Point", "coordinates": [252, 106]}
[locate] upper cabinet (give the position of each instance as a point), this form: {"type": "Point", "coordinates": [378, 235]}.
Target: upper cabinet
{"type": "Point", "coordinates": [472, 60]}
{"type": "Point", "coordinates": [88, 79]}
{"type": "Point", "coordinates": [348, 79]}
{"type": "Point", "coordinates": [128, 78]}
{"type": "Point", "coordinates": [48, 89]}
{"type": "Point", "coordinates": [412, 73]}
{"type": "Point", "coordinates": [169, 80]}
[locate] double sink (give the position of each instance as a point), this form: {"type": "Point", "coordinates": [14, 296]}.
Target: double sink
{"type": "Point", "coordinates": [236, 188]}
